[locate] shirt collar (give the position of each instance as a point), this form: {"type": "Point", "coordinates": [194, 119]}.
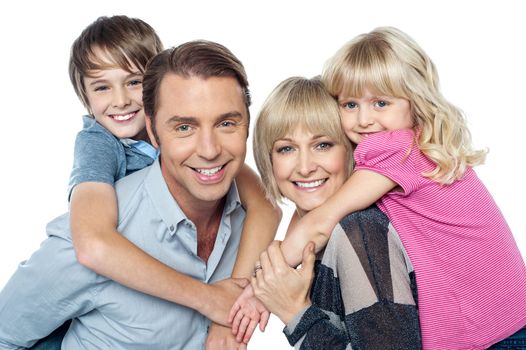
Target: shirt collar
{"type": "Point", "coordinates": [168, 208]}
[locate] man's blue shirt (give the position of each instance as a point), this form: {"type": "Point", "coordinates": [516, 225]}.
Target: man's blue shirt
{"type": "Point", "coordinates": [52, 286]}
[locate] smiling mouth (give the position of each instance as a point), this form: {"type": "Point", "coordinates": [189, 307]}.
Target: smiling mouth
{"type": "Point", "coordinates": [123, 117]}
{"type": "Point", "coordinates": [209, 172]}
{"type": "Point", "coordinates": [310, 184]}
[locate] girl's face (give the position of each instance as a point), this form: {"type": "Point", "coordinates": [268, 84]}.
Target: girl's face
{"type": "Point", "coordinates": [362, 116]}
{"type": "Point", "coordinates": [308, 168]}
{"type": "Point", "coordinates": [115, 100]}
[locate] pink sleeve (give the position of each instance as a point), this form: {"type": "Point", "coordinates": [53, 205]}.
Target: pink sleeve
{"type": "Point", "coordinates": [395, 155]}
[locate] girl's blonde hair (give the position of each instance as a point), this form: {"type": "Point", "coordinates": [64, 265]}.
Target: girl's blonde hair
{"type": "Point", "coordinates": [295, 102]}
{"type": "Point", "coordinates": [389, 62]}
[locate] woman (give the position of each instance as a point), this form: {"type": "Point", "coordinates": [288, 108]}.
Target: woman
{"type": "Point", "coordinates": [362, 292]}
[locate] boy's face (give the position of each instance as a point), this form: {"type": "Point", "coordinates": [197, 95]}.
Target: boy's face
{"type": "Point", "coordinates": [115, 100]}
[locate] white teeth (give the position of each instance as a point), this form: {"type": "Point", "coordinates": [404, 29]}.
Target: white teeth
{"type": "Point", "coordinates": [209, 172]}
{"type": "Point", "coordinates": [310, 184]}
{"type": "Point", "coordinates": [123, 117]}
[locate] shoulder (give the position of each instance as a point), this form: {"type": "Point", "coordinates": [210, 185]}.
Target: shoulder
{"type": "Point", "coordinates": [129, 187]}
{"type": "Point", "coordinates": [383, 145]}
{"type": "Point", "coordinates": [93, 133]}
{"type": "Point", "coordinates": [371, 216]}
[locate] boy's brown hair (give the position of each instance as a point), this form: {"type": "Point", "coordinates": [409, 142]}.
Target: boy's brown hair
{"type": "Point", "coordinates": [126, 41]}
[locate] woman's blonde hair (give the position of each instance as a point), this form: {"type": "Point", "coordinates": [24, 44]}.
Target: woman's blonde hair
{"type": "Point", "coordinates": [388, 62]}
{"type": "Point", "coordinates": [295, 102]}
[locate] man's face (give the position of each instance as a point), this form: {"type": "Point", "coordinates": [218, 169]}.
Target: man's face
{"type": "Point", "coordinates": [202, 129]}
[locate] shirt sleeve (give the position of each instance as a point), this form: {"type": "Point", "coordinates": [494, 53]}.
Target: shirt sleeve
{"type": "Point", "coordinates": [98, 157]}
{"type": "Point", "coordinates": [44, 292]}
{"type": "Point", "coordinates": [312, 329]}
{"type": "Point", "coordinates": [394, 154]}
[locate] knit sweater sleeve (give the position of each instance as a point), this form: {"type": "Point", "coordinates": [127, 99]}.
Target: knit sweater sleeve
{"type": "Point", "coordinates": [362, 292]}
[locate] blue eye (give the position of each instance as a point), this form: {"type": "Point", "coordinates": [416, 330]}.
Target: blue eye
{"type": "Point", "coordinates": [350, 105]}
{"type": "Point", "coordinates": [101, 88]}
{"type": "Point", "coordinates": [324, 145]}
{"type": "Point", "coordinates": [183, 128]}
{"type": "Point", "coordinates": [284, 149]}
{"type": "Point", "coordinates": [227, 123]}
{"type": "Point", "coordinates": [135, 82]}
{"type": "Point", "coordinates": [381, 103]}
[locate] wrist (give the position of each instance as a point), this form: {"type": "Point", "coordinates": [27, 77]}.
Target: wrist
{"type": "Point", "coordinates": [286, 315]}
{"type": "Point", "coordinates": [201, 299]}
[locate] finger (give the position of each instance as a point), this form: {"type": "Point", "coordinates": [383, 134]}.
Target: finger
{"type": "Point", "coordinates": [233, 311]}
{"type": "Point", "coordinates": [307, 264]}
{"type": "Point", "coordinates": [250, 330]}
{"type": "Point", "coordinates": [276, 255]}
{"type": "Point", "coordinates": [266, 266]}
{"type": "Point", "coordinates": [257, 267]}
{"type": "Point", "coordinates": [236, 322]}
{"type": "Point", "coordinates": [242, 329]}
{"type": "Point", "coordinates": [264, 320]}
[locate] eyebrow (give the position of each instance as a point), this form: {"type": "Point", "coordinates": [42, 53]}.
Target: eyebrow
{"type": "Point", "coordinates": [195, 120]}
{"type": "Point", "coordinates": [102, 80]}
{"type": "Point", "coordinates": [315, 137]}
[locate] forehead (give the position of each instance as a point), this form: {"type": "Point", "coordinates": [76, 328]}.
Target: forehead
{"type": "Point", "coordinates": [101, 60]}
{"type": "Point", "coordinates": [200, 98]}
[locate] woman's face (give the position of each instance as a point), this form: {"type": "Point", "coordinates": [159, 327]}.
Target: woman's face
{"type": "Point", "coordinates": [308, 168]}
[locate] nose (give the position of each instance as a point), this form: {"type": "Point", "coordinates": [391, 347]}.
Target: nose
{"type": "Point", "coordinates": [364, 118]}
{"type": "Point", "coordinates": [306, 164]}
{"type": "Point", "coordinates": [208, 145]}
{"type": "Point", "coordinates": [121, 98]}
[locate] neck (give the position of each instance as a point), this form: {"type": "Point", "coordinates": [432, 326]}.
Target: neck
{"type": "Point", "coordinates": [206, 215]}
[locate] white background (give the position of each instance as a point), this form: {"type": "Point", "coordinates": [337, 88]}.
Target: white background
{"type": "Point", "coordinates": [477, 47]}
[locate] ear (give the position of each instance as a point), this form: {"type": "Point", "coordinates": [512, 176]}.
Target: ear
{"type": "Point", "coordinates": [151, 132]}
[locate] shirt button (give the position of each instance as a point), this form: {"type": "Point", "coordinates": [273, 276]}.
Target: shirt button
{"type": "Point", "coordinates": [172, 228]}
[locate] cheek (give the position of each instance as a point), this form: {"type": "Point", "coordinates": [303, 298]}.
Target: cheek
{"type": "Point", "coordinates": [347, 121]}
{"type": "Point", "coordinates": [281, 169]}
{"type": "Point", "coordinates": [97, 106]}
{"type": "Point", "coordinates": [138, 97]}
{"type": "Point", "coordinates": [337, 165]}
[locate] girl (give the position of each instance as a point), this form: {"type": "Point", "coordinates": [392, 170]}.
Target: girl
{"type": "Point", "coordinates": [414, 158]}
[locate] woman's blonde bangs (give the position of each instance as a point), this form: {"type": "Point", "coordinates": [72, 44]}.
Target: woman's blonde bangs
{"type": "Point", "coordinates": [296, 102]}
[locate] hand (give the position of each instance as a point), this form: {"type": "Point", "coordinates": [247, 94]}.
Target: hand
{"type": "Point", "coordinates": [284, 290]}
{"type": "Point", "coordinates": [313, 227]}
{"type": "Point", "coordinates": [246, 313]}
{"type": "Point", "coordinates": [220, 337]}
{"type": "Point", "coordinates": [222, 296]}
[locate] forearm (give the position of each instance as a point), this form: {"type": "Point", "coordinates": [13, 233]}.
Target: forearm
{"type": "Point", "coordinates": [293, 245]}
{"type": "Point", "coordinates": [258, 233]}
{"type": "Point", "coordinates": [261, 222]}
{"type": "Point", "coordinates": [312, 329]}
{"type": "Point", "coordinates": [115, 257]}
{"type": "Point", "coordinates": [101, 248]}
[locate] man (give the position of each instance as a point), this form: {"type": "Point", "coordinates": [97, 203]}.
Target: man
{"type": "Point", "coordinates": [184, 210]}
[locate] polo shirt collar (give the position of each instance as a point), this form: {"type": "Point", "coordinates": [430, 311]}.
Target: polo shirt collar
{"type": "Point", "coordinates": [167, 207]}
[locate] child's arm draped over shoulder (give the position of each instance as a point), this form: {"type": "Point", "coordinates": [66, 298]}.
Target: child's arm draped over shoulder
{"type": "Point", "coordinates": [101, 248]}
{"type": "Point", "coordinates": [261, 222]}
{"type": "Point", "coordinates": [260, 227]}
{"type": "Point", "coordinates": [362, 189]}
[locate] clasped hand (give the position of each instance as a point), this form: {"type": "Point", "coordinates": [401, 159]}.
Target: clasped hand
{"type": "Point", "coordinates": [276, 286]}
